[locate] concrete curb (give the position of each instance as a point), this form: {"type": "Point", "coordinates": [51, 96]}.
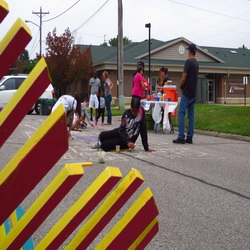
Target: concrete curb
{"type": "Point", "coordinates": [223, 135]}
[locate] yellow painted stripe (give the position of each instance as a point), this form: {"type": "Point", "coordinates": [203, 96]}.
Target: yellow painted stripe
{"type": "Point", "coordinates": [123, 222]}
{"type": "Point", "coordinates": [22, 90]}
{"type": "Point", "coordinates": [13, 218]}
{"type": "Point", "coordinates": [143, 235]}
{"type": "Point", "coordinates": [79, 205]}
{"type": "Point", "coordinates": [33, 140]}
{"type": "Point", "coordinates": [2, 232]}
{"type": "Point", "coordinates": [111, 200]}
{"type": "Point", "coordinates": [16, 27]}
{"type": "Point", "coordinates": [4, 5]}
{"type": "Point", "coordinates": [70, 170]}
{"type": "Point", "coordinates": [87, 164]}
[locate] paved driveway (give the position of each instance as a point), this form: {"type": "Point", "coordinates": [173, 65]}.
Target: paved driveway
{"type": "Point", "coordinates": [202, 190]}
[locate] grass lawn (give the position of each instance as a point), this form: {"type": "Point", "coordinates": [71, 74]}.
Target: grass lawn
{"type": "Point", "coordinates": [227, 119]}
{"type": "Point", "coordinates": [220, 118]}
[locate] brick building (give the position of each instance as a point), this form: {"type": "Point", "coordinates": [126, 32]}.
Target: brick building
{"type": "Point", "coordinates": [220, 76]}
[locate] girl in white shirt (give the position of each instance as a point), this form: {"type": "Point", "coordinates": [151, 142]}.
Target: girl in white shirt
{"type": "Point", "coordinates": [71, 104]}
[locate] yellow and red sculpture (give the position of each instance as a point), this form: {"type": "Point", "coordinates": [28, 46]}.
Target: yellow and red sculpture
{"type": "Point", "coordinates": [27, 168]}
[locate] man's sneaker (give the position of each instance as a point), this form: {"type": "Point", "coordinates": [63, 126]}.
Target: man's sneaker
{"type": "Point", "coordinates": [179, 141]}
{"type": "Point", "coordinates": [97, 145]}
{"type": "Point", "coordinates": [189, 140]}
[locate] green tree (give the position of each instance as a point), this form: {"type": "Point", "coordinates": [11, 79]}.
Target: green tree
{"type": "Point", "coordinates": [114, 41]}
{"type": "Point", "coordinates": [67, 64]}
{"type": "Point", "coordinates": [19, 64]}
{"type": "Point", "coordinates": [243, 47]}
{"type": "Point", "coordinates": [104, 44]}
{"type": "Point", "coordinates": [28, 66]}
{"type": "Point", "coordinates": [24, 57]}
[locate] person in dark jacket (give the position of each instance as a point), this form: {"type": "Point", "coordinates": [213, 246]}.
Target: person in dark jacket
{"type": "Point", "coordinates": [132, 125]}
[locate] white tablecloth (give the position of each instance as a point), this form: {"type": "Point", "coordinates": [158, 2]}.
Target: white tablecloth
{"type": "Point", "coordinates": [155, 107]}
{"type": "Point", "coordinates": [147, 105]}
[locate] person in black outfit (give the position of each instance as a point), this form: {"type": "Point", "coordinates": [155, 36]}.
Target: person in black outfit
{"type": "Point", "coordinates": [166, 80]}
{"type": "Point", "coordinates": [101, 107]}
{"type": "Point", "coordinates": [133, 123]}
{"type": "Point", "coordinates": [188, 84]}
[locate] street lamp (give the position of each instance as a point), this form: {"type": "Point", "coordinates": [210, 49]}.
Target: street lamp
{"type": "Point", "coordinates": [148, 25]}
{"type": "Point", "coordinates": [40, 31]}
{"type": "Point", "coordinates": [120, 55]}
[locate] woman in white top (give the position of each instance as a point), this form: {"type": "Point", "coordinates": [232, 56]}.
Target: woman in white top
{"type": "Point", "coordinates": [71, 104]}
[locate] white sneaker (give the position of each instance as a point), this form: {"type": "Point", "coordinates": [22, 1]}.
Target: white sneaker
{"type": "Point", "coordinates": [96, 145]}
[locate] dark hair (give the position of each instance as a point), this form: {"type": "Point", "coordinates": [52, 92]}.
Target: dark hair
{"type": "Point", "coordinates": [85, 99]}
{"type": "Point", "coordinates": [135, 103]}
{"type": "Point", "coordinates": [163, 69]}
{"type": "Point", "coordinates": [139, 68]}
{"type": "Point", "coordinates": [140, 63]}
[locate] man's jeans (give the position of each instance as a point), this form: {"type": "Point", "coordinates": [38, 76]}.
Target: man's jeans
{"type": "Point", "coordinates": [186, 104]}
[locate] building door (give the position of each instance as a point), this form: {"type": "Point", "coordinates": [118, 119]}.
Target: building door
{"type": "Point", "coordinates": [210, 91]}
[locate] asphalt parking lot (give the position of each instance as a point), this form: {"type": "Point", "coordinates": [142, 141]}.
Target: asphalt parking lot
{"type": "Point", "coordinates": [201, 190]}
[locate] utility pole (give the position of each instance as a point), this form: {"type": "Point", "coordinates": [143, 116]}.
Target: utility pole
{"type": "Point", "coordinates": [120, 55]}
{"type": "Point", "coordinates": [40, 14]}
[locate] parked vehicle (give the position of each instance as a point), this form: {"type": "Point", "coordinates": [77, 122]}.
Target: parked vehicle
{"type": "Point", "coordinates": [9, 85]}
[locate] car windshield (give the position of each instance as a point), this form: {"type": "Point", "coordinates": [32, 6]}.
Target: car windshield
{"type": "Point", "coordinates": [2, 80]}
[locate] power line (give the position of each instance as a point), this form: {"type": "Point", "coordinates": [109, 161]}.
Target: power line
{"type": "Point", "coordinates": [35, 44]}
{"type": "Point", "coordinates": [62, 12]}
{"type": "Point", "coordinates": [238, 18]}
{"type": "Point", "coordinates": [90, 17]}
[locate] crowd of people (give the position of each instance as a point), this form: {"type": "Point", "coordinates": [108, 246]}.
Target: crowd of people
{"type": "Point", "coordinates": [133, 121]}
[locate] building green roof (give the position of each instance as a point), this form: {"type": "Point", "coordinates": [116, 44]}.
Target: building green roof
{"type": "Point", "coordinates": [227, 57]}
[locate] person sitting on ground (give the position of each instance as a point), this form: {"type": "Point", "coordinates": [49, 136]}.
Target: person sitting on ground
{"type": "Point", "coordinates": [85, 115]}
{"type": "Point", "coordinates": [133, 123]}
{"type": "Point", "coordinates": [80, 123]}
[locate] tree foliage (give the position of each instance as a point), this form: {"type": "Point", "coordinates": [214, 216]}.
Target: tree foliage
{"type": "Point", "coordinates": [24, 57]}
{"type": "Point", "coordinates": [21, 64]}
{"type": "Point", "coordinates": [67, 63]}
{"type": "Point", "coordinates": [114, 42]}
{"type": "Point", "coordinates": [243, 47]}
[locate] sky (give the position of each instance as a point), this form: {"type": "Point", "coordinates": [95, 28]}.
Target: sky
{"type": "Point", "coordinates": [216, 23]}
